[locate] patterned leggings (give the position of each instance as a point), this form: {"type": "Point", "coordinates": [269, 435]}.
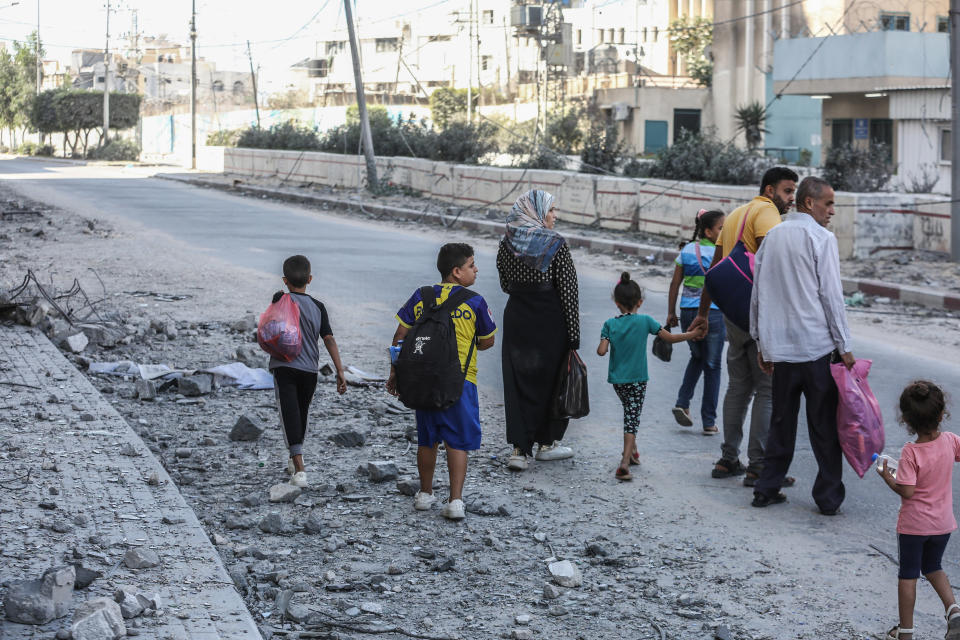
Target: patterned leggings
{"type": "Point", "coordinates": [631, 395]}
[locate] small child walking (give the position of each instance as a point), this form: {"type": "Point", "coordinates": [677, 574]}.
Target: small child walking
{"type": "Point", "coordinates": [924, 483]}
{"type": "Point", "coordinates": [625, 336]}
{"type": "Point", "coordinates": [705, 355]}
{"type": "Point", "coordinates": [295, 381]}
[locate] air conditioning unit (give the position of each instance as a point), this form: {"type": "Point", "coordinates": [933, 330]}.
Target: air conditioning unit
{"type": "Point", "coordinates": [526, 16]}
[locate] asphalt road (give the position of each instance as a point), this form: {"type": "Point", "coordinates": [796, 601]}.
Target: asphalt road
{"type": "Point", "coordinates": [379, 267]}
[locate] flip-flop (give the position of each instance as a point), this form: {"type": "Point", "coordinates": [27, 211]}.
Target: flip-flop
{"type": "Point", "coordinates": [623, 474]}
{"type": "Point", "coordinates": [750, 480]}
{"type": "Point", "coordinates": [635, 458]}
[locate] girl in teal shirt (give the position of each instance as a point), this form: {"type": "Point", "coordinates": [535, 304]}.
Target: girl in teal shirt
{"type": "Point", "coordinates": [625, 336]}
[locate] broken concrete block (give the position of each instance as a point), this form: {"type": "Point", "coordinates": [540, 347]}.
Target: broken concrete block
{"type": "Point", "coordinates": [193, 386]}
{"type": "Point", "coordinates": [565, 574]}
{"type": "Point", "coordinates": [284, 493]}
{"type": "Point", "coordinates": [146, 390]}
{"type": "Point", "coordinates": [408, 486]}
{"type": "Point", "coordinates": [252, 356]}
{"type": "Point", "coordinates": [349, 438]}
{"type": "Point", "coordinates": [273, 523]}
{"type": "Point", "coordinates": [84, 576]}
{"type": "Point", "coordinates": [34, 314]}
{"type": "Point", "coordinates": [101, 335]}
{"type": "Point", "coordinates": [98, 619]}
{"type": "Point", "coordinates": [314, 523]}
{"type": "Point", "coordinates": [247, 429]}
{"type": "Point", "coordinates": [43, 600]}
{"type": "Point", "coordinates": [130, 606]}
{"type": "Point", "coordinates": [140, 558]}
{"type": "Point", "coordinates": [76, 343]}
{"type": "Point", "coordinates": [382, 471]}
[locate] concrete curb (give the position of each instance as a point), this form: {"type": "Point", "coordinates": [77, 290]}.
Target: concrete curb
{"type": "Point", "coordinates": [932, 298]}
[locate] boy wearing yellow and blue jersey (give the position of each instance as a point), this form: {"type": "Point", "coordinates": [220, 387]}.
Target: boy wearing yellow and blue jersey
{"type": "Point", "coordinates": [458, 427]}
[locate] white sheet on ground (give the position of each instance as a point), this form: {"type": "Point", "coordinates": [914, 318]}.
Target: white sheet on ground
{"type": "Point", "coordinates": [243, 376]}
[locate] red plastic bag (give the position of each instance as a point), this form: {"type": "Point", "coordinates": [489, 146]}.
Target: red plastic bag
{"type": "Point", "coordinates": [859, 421]}
{"type": "Point", "coordinates": [278, 332]}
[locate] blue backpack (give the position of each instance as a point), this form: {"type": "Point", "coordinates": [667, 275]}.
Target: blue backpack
{"type": "Point", "coordinates": [730, 282]}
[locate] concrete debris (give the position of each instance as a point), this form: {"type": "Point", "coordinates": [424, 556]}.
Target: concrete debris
{"type": "Point", "coordinates": [550, 592]}
{"type": "Point", "coordinates": [247, 429]}
{"type": "Point", "coordinates": [273, 523]}
{"type": "Point", "coordinates": [522, 619]}
{"type": "Point", "coordinates": [382, 471]}
{"type": "Point", "coordinates": [565, 574]}
{"type": "Point", "coordinates": [127, 449]}
{"type": "Point", "coordinates": [521, 634]}
{"type": "Point", "coordinates": [76, 343]}
{"type": "Point", "coordinates": [349, 438]}
{"type": "Point", "coordinates": [314, 523]}
{"type": "Point", "coordinates": [372, 607]}
{"type": "Point", "coordinates": [146, 390]}
{"type": "Point", "coordinates": [98, 619]}
{"type": "Point", "coordinates": [722, 633]}
{"type": "Point", "coordinates": [141, 558]}
{"type": "Point", "coordinates": [130, 606]}
{"type": "Point", "coordinates": [284, 492]}
{"type": "Point", "coordinates": [43, 600]}
{"type": "Point", "coordinates": [195, 385]}
{"type": "Point", "coordinates": [408, 486]}
{"type": "Point", "coordinates": [84, 576]}
{"type": "Point", "coordinates": [252, 356]}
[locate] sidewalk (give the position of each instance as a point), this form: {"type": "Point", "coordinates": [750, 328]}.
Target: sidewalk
{"type": "Point", "coordinates": [923, 296]}
{"type": "Point", "coordinates": [73, 493]}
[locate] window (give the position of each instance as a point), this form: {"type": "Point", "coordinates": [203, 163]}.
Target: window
{"type": "Point", "coordinates": [579, 36]}
{"type": "Point", "coordinates": [685, 120]}
{"type": "Point", "coordinates": [656, 33]}
{"type": "Point", "coordinates": [218, 85]}
{"type": "Point", "coordinates": [943, 24]}
{"type": "Point", "coordinates": [881, 132]}
{"type": "Point", "coordinates": [946, 145]}
{"type": "Point", "coordinates": [101, 79]}
{"type": "Point", "coordinates": [238, 88]}
{"type": "Point", "coordinates": [623, 36]}
{"type": "Point", "coordinates": [484, 62]}
{"type": "Point", "coordinates": [895, 21]}
{"type": "Point", "coordinates": [386, 45]}
{"type": "Point", "coordinates": [610, 35]}
{"type": "Point", "coordinates": [600, 36]}
{"type": "Point", "coordinates": [333, 48]}
{"type": "Point", "coordinates": [841, 132]}
{"type": "Point", "coordinates": [488, 16]}
{"type": "Point", "coordinates": [644, 34]}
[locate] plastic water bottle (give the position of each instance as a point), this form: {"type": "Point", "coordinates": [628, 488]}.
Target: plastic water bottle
{"type": "Point", "coordinates": [879, 458]}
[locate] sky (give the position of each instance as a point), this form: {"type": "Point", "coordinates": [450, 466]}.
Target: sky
{"type": "Point", "coordinates": [281, 31]}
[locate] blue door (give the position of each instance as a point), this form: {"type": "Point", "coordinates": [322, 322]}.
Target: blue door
{"type": "Point", "coordinates": [654, 135]}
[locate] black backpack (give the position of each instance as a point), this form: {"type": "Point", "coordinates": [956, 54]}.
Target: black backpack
{"type": "Point", "coordinates": [429, 374]}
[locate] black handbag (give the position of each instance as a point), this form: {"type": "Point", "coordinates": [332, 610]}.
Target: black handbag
{"type": "Point", "coordinates": [661, 348]}
{"type": "Point", "coordinates": [571, 396]}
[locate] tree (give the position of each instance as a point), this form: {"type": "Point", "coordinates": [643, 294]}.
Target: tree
{"type": "Point", "coordinates": [446, 105]}
{"type": "Point", "coordinates": [690, 38]}
{"type": "Point", "coordinates": [18, 75]}
{"type": "Point", "coordinates": [7, 90]}
{"type": "Point", "coordinates": [80, 113]}
{"type": "Point", "coordinates": [750, 119]}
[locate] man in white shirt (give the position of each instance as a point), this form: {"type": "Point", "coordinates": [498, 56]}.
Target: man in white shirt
{"type": "Point", "coordinates": [798, 318]}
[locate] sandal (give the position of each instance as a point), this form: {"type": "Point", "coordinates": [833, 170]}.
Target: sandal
{"type": "Point", "coordinates": [711, 430]}
{"type": "Point", "coordinates": [953, 622]}
{"type": "Point", "coordinates": [894, 634]}
{"type": "Point", "coordinates": [623, 474]}
{"type": "Point", "coordinates": [727, 469]}
{"type": "Point", "coordinates": [635, 458]}
{"type": "Point", "coordinates": [750, 480]}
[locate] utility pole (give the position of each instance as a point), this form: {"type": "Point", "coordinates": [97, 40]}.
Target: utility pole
{"type": "Point", "coordinates": [106, 84]}
{"type": "Point", "coordinates": [470, 64]}
{"type": "Point", "coordinates": [193, 85]}
{"type": "Point", "coordinates": [361, 100]}
{"type": "Point", "coordinates": [954, 132]}
{"type": "Point", "coordinates": [253, 79]}
{"type": "Point", "coordinates": [37, 50]}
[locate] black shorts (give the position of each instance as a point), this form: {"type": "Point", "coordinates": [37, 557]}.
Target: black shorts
{"type": "Point", "coordinates": [920, 554]}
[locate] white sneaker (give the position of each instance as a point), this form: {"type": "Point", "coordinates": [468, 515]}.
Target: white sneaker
{"type": "Point", "coordinates": [517, 461]}
{"type": "Point", "coordinates": [554, 451]}
{"type": "Point", "coordinates": [423, 501]}
{"type": "Point", "coordinates": [290, 468]}
{"type": "Point", "coordinates": [454, 510]}
{"type": "Point", "coordinates": [299, 479]}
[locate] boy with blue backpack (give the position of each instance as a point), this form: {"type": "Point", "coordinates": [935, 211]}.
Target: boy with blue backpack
{"type": "Point", "coordinates": [441, 327]}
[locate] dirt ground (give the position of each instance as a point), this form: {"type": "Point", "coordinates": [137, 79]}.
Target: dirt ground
{"type": "Point", "coordinates": [655, 563]}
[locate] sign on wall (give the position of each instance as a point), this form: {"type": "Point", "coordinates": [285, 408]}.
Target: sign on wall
{"type": "Point", "coordinates": [861, 129]}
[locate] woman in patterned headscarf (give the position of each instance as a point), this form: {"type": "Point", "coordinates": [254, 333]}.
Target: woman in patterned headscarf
{"type": "Point", "coordinates": [541, 322]}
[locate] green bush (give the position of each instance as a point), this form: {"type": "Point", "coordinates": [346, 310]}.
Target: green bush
{"type": "Point", "coordinates": [34, 149]}
{"type": "Point", "coordinates": [702, 157]}
{"type": "Point", "coordinates": [116, 150]}
{"type": "Point", "coordinates": [602, 149]}
{"type": "Point", "coordinates": [224, 138]}
{"type": "Point", "coordinates": [446, 105]}
{"type": "Point", "coordinates": [849, 168]}
{"type": "Point", "coordinates": [290, 136]}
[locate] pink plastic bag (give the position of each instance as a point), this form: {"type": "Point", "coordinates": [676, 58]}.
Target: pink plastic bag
{"type": "Point", "coordinates": [859, 421]}
{"type": "Point", "coordinates": [278, 332]}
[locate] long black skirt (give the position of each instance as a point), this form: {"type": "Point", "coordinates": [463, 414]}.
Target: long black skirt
{"type": "Point", "coordinates": [534, 346]}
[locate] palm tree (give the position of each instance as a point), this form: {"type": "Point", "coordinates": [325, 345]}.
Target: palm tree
{"type": "Point", "coordinates": [750, 119]}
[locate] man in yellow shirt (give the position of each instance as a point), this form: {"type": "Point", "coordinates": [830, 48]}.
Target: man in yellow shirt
{"type": "Point", "coordinates": [746, 379]}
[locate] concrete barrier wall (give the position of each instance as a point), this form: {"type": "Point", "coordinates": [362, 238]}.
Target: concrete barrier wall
{"type": "Point", "coordinates": [864, 223]}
